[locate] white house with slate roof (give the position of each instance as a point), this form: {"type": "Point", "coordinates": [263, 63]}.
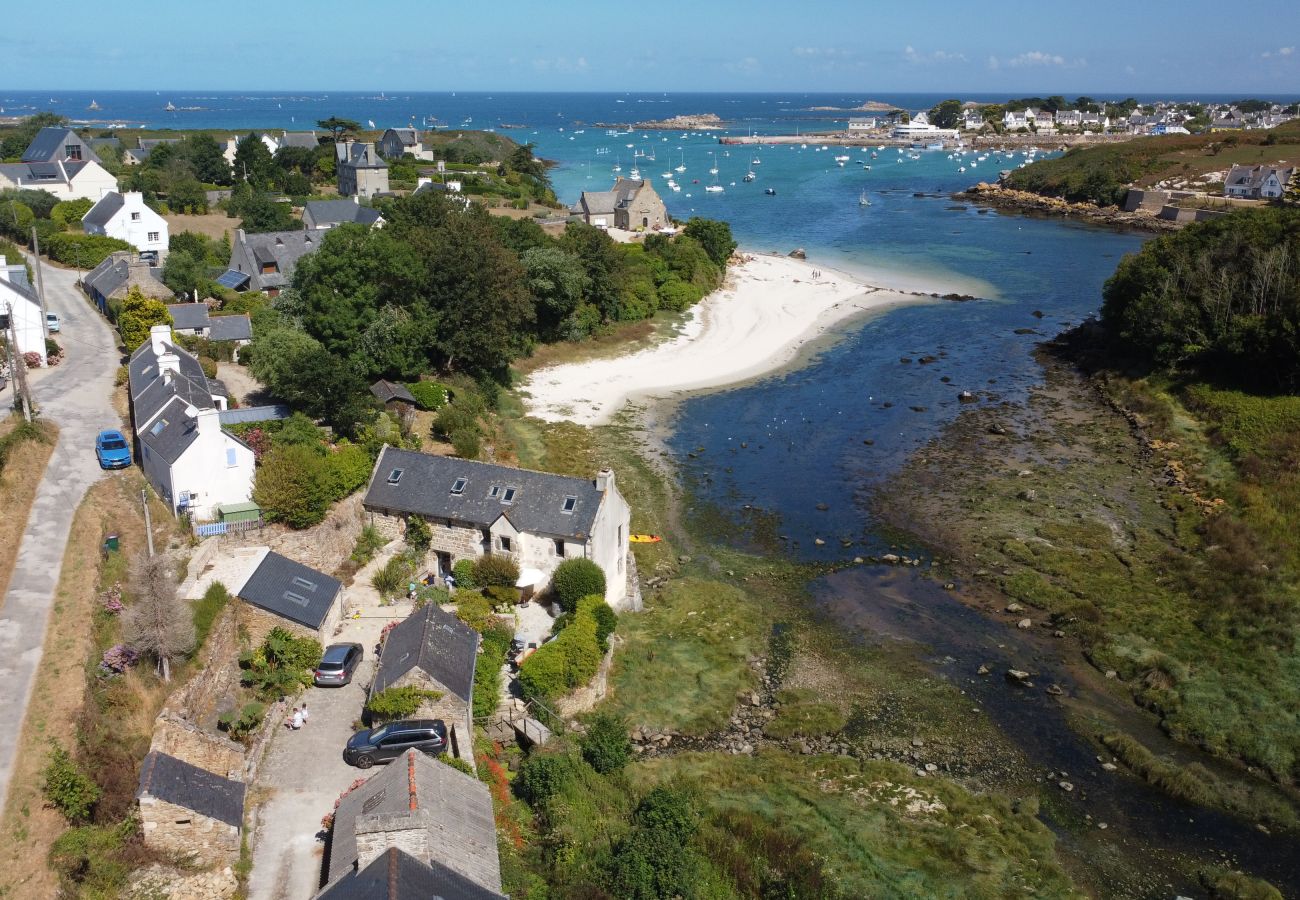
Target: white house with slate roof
{"type": "Point", "coordinates": [19, 303]}
{"type": "Point", "coordinates": [193, 464]}
{"type": "Point", "coordinates": [535, 518]}
{"type": "Point", "coordinates": [67, 180]}
{"type": "Point", "coordinates": [126, 217]}
{"type": "Point", "coordinates": [322, 215]}
{"type": "Point", "coordinates": [55, 144]}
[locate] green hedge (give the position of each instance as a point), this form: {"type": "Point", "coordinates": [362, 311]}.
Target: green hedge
{"type": "Point", "coordinates": [428, 394]}
{"type": "Point", "coordinates": [564, 663]}
{"type": "Point", "coordinates": [398, 702]}
{"type": "Point", "coordinates": [83, 250]}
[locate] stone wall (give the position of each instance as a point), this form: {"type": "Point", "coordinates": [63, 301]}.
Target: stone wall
{"type": "Point", "coordinates": [205, 695]}
{"type": "Point", "coordinates": [586, 697]}
{"type": "Point", "coordinates": [181, 832]}
{"type": "Point", "coordinates": [186, 741]}
{"type": "Point", "coordinates": [455, 712]}
{"type": "Point", "coordinates": [405, 831]}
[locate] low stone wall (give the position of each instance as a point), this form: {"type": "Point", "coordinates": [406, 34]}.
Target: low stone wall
{"type": "Point", "coordinates": [200, 701]}
{"type": "Point", "coordinates": [585, 698]}
{"type": "Point", "coordinates": [188, 742]}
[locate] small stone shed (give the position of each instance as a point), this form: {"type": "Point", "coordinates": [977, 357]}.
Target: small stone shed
{"type": "Point", "coordinates": [190, 812]}
{"type": "Point", "coordinates": [280, 591]}
{"type": "Point", "coordinates": [395, 875]}
{"type": "Point", "coordinates": [436, 651]}
{"type": "Point", "coordinates": [425, 809]}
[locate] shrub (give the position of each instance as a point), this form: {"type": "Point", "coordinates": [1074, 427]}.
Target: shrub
{"type": "Point", "coordinates": [206, 611]}
{"type": "Point", "coordinates": [418, 534]}
{"type": "Point", "coordinates": [290, 486]}
{"type": "Point", "coordinates": [474, 610]}
{"type": "Point", "coordinates": [90, 859]}
{"type": "Point", "coordinates": [398, 702]}
{"type": "Point", "coordinates": [606, 746]}
{"type": "Point", "coordinates": [495, 570]}
{"type": "Point", "coordinates": [575, 579]}
{"type": "Point", "coordinates": [347, 468]}
{"type": "Point", "coordinates": [565, 662]}
{"type": "Point", "coordinates": [429, 395]}
{"type": "Point", "coordinates": [393, 577]}
{"type": "Point", "coordinates": [243, 723]}
{"type": "Point", "coordinates": [466, 443]}
{"type": "Point", "coordinates": [368, 543]}
{"type": "Point", "coordinates": [501, 595]}
{"type": "Point", "coordinates": [209, 366]}
{"type": "Point", "coordinates": [118, 658]}
{"type": "Point", "coordinates": [605, 618]}
{"type": "Point", "coordinates": [69, 790]}
{"type": "Point", "coordinates": [281, 665]}
{"type": "Point", "coordinates": [52, 348]}
{"type": "Point", "coordinates": [32, 359]}
{"type": "Point", "coordinates": [487, 674]}
{"type": "Point", "coordinates": [458, 764]}
{"type": "Point", "coordinates": [543, 775]}
{"type": "Point", "coordinates": [463, 572]}
{"type": "Point", "coordinates": [82, 250]}
{"type": "Point", "coordinates": [542, 675]}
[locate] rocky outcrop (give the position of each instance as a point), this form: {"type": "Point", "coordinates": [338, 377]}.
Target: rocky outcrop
{"type": "Point", "coordinates": [1000, 197]}
{"type": "Point", "coordinates": [696, 122]}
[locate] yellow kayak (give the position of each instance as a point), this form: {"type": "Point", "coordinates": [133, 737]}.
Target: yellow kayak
{"type": "Point", "coordinates": [644, 538]}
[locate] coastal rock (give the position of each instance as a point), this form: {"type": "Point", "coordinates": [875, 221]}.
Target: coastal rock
{"type": "Point", "coordinates": [890, 558]}
{"type": "Point", "coordinates": [982, 670]}
{"type": "Point", "coordinates": [966, 397]}
{"type": "Point", "coordinates": [1055, 690]}
{"type": "Point", "coordinates": [995, 428]}
{"type": "Point", "coordinates": [1014, 608]}
{"type": "Point", "coordinates": [1025, 623]}
{"type": "Point", "coordinates": [1028, 495]}
{"type": "Point", "coordinates": [1065, 786]}
{"type": "Point", "coordinates": [1109, 767]}
{"type": "Point", "coordinates": [1019, 676]}
{"type": "Point", "coordinates": [798, 253]}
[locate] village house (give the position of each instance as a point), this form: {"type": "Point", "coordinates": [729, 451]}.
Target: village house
{"type": "Point", "coordinates": [417, 828]}
{"type": "Point", "coordinates": [322, 215]}
{"type": "Point", "coordinates": [396, 142]}
{"type": "Point", "coordinates": [395, 397]}
{"type": "Point", "coordinates": [1257, 182]}
{"type": "Point", "coordinates": [196, 319]}
{"type": "Point", "coordinates": [66, 180]}
{"type": "Point", "coordinates": [290, 595]}
{"type": "Point", "coordinates": [1097, 121]}
{"type": "Point", "coordinates": [1015, 119]}
{"type": "Point", "coordinates": [54, 144]}
{"type": "Point", "coordinates": [265, 262]}
{"type": "Point", "coordinates": [137, 155]}
{"type": "Point", "coordinates": [193, 464]}
{"type": "Point", "coordinates": [630, 205]}
{"type": "Point", "coordinates": [306, 139]}
{"type": "Point", "coordinates": [1069, 118]}
{"type": "Point", "coordinates": [121, 271]}
{"type": "Point", "coordinates": [20, 310]}
{"type": "Point", "coordinates": [972, 120]}
{"type": "Point", "coordinates": [920, 128]}
{"type": "Point", "coordinates": [435, 651]}
{"type": "Point", "coordinates": [536, 518]}
{"type": "Point", "coordinates": [361, 170]}
{"type": "Point", "coordinates": [189, 813]}
{"type": "Point", "coordinates": [863, 124]}
{"type": "Point", "coordinates": [126, 217]}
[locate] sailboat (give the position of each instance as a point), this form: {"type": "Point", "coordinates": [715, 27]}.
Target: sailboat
{"type": "Point", "coordinates": [713, 170]}
{"type": "Point", "coordinates": [93, 105]}
{"type": "Point", "coordinates": [681, 166]}
{"type": "Point", "coordinates": [170, 107]}
{"type": "Point", "coordinates": [618, 164]}
{"type": "Point", "coordinates": [714, 188]}
{"type": "Point", "coordinates": [863, 199]}
{"type": "Point", "coordinates": [749, 176]}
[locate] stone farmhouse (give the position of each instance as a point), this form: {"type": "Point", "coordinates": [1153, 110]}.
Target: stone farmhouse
{"type": "Point", "coordinates": [265, 262]}
{"type": "Point", "coordinates": [118, 273]}
{"type": "Point", "coordinates": [536, 518]}
{"type": "Point", "coordinates": [322, 215]}
{"type": "Point", "coordinates": [630, 205]}
{"type": "Point", "coordinates": [362, 172]}
{"type": "Point", "coordinates": [126, 217]}
{"type": "Point", "coordinates": [196, 319]}
{"type": "Point", "coordinates": [193, 464]}
{"type": "Point", "coordinates": [435, 651]}
{"type": "Point", "coordinates": [418, 828]}
{"type": "Point", "coordinates": [292, 596]}
{"type": "Point", "coordinates": [20, 310]}
{"type": "Point", "coordinates": [397, 142]}
{"type": "Point", "coordinates": [190, 812]}
{"type": "Point", "coordinates": [1257, 182]}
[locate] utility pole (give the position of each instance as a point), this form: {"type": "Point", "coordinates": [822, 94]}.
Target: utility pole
{"type": "Point", "coordinates": [19, 367]}
{"type": "Point", "coordinates": [148, 526]}
{"type": "Point", "coordinates": [40, 282]}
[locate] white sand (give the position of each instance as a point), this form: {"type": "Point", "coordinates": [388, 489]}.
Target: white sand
{"type": "Point", "coordinates": [768, 310]}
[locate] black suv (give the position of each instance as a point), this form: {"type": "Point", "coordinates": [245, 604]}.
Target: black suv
{"type": "Point", "coordinates": [338, 664]}
{"type": "Point", "coordinates": [387, 742]}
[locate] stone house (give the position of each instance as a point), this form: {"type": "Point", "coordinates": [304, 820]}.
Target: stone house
{"type": "Point", "coordinates": [396, 142]}
{"type": "Point", "coordinates": [196, 319]}
{"type": "Point", "coordinates": [395, 396]}
{"type": "Point", "coordinates": [322, 215]}
{"type": "Point", "coordinates": [436, 651]}
{"type": "Point", "coordinates": [421, 809]}
{"type": "Point", "coordinates": [118, 273]}
{"type": "Point", "coordinates": [536, 518]}
{"type": "Point", "coordinates": [362, 172]}
{"type": "Point", "coordinates": [265, 262]}
{"type": "Point", "coordinates": [863, 124]}
{"type": "Point", "coordinates": [396, 875]}
{"type": "Point", "coordinates": [630, 205]}
{"type": "Point", "coordinates": [288, 594]}
{"type": "Point", "coordinates": [190, 812]}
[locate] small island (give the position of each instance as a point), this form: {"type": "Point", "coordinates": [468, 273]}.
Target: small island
{"type": "Point", "coordinates": [696, 122]}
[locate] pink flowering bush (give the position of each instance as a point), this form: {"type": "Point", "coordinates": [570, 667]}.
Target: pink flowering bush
{"type": "Point", "coordinates": [118, 658]}
{"type": "Point", "coordinates": [32, 359]}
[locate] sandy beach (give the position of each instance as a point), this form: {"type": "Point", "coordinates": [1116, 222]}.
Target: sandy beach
{"type": "Point", "coordinates": [770, 308]}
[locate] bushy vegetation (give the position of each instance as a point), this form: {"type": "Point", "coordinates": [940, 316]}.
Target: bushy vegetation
{"type": "Point", "coordinates": [398, 703]}
{"type": "Point", "coordinates": [300, 474]}
{"type": "Point", "coordinates": [393, 577]}
{"type": "Point", "coordinates": [68, 788]}
{"type": "Point", "coordinates": [136, 315]}
{"type": "Point", "coordinates": [241, 723]}
{"type": "Point", "coordinates": [574, 579]}
{"type": "Point", "coordinates": [281, 665]}
{"type": "Point", "coordinates": [605, 745]}
{"type": "Point", "coordinates": [496, 637]}
{"type": "Point", "coordinates": [566, 662]}
{"type": "Point", "coordinates": [1222, 295]}
{"type": "Point", "coordinates": [429, 395]}
{"type": "Point", "coordinates": [85, 251]}
{"type": "Point", "coordinates": [495, 570]}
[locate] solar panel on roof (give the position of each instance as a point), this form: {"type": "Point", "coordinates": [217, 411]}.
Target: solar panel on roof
{"type": "Point", "coordinates": [232, 279]}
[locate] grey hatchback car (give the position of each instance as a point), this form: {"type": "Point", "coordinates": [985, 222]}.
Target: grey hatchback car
{"type": "Point", "coordinates": [337, 665]}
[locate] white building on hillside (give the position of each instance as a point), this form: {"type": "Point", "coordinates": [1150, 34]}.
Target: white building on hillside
{"type": "Point", "coordinates": [66, 180]}
{"type": "Point", "coordinates": [127, 218]}
{"type": "Point", "coordinates": [18, 301]}
{"type": "Point", "coordinates": [193, 464]}
{"type": "Point", "coordinates": [921, 129]}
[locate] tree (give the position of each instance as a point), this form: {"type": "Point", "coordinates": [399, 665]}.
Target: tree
{"type": "Point", "coordinates": [253, 162]}
{"type": "Point", "coordinates": [207, 158]}
{"type": "Point", "coordinates": [186, 195]}
{"type": "Point", "coordinates": [603, 263]}
{"type": "Point", "coordinates": [139, 314]}
{"type": "Point", "coordinates": [291, 487]}
{"type": "Point", "coordinates": [714, 236]}
{"type": "Point", "coordinates": [68, 788]}
{"type": "Point", "coordinates": [261, 213]}
{"type": "Point", "coordinates": [70, 212]}
{"type": "Point", "coordinates": [577, 578]}
{"type": "Point", "coordinates": [556, 281]}
{"type": "Point", "coordinates": [606, 745]}
{"type": "Point", "coordinates": [185, 274]}
{"type": "Point", "coordinates": [157, 622]}
{"type": "Point", "coordinates": [338, 127]}
{"type": "Point", "coordinates": [946, 114]}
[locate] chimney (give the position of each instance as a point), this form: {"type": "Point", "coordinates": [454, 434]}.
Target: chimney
{"type": "Point", "coordinates": [169, 364]}
{"type": "Point", "coordinates": [159, 336]}
{"type": "Point", "coordinates": [239, 235]}
{"type": "Point", "coordinates": [605, 480]}
{"type": "Point", "coordinates": [422, 181]}
{"type": "Point", "coordinates": [209, 421]}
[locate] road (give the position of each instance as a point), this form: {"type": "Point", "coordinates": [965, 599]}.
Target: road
{"type": "Point", "coordinates": [76, 396]}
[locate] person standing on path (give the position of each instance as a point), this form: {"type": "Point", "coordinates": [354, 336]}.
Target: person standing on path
{"type": "Point", "coordinates": [304, 713]}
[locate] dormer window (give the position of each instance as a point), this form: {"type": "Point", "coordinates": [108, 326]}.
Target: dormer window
{"type": "Point", "coordinates": [459, 486]}
{"type": "Point", "coordinates": [570, 504]}
{"type": "Point", "coordinates": [395, 476]}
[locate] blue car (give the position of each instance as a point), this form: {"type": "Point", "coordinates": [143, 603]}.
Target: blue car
{"type": "Point", "coordinates": [113, 450]}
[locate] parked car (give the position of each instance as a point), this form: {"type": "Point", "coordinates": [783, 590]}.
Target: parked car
{"type": "Point", "coordinates": [387, 742]}
{"type": "Point", "coordinates": [112, 450]}
{"type": "Point", "coordinates": [52, 323]}
{"type": "Point", "coordinates": [338, 664]}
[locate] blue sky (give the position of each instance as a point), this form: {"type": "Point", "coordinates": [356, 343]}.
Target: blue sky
{"type": "Point", "coordinates": [1041, 47]}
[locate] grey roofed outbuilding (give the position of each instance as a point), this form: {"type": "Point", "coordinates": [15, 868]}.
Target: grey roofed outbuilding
{"type": "Point", "coordinates": [388, 391]}
{"type": "Point", "coordinates": [395, 875]}
{"type": "Point", "coordinates": [338, 212]}
{"type": "Point", "coordinates": [175, 781]}
{"type": "Point", "coordinates": [46, 144]}
{"type": "Point", "coordinates": [289, 589]}
{"type": "Point", "coordinates": [104, 210]}
{"type": "Point", "coordinates": [405, 482]}
{"type": "Point", "coordinates": [455, 808]}
{"type": "Point", "coordinates": [230, 328]}
{"type": "Point", "coordinates": [434, 641]}
{"type": "Point", "coordinates": [189, 316]}
{"type": "Point", "coordinates": [136, 153]}
{"type": "Point", "coordinates": [307, 139]}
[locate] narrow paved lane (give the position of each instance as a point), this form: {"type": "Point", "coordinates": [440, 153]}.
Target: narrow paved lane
{"type": "Point", "coordinates": [77, 397]}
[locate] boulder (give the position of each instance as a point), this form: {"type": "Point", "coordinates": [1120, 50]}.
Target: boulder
{"type": "Point", "coordinates": [1014, 608]}
{"type": "Point", "coordinates": [798, 253]}
{"type": "Point", "coordinates": [1020, 676]}
{"type": "Point", "coordinates": [1025, 623]}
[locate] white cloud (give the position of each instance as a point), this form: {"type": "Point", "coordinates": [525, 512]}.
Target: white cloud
{"type": "Point", "coordinates": [822, 52]}
{"type": "Point", "coordinates": [994, 64]}
{"type": "Point", "coordinates": [1037, 58]}
{"type": "Point", "coordinates": [747, 66]}
{"type": "Point", "coordinates": [561, 64]}
{"type": "Point", "coordinates": [912, 55]}
{"type": "Point", "coordinates": [1281, 51]}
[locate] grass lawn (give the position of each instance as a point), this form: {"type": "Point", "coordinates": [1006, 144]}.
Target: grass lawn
{"type": "Point", "coordinates": [213, 225]}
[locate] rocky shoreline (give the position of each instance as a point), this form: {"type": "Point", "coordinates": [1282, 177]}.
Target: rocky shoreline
{"type": "Point", "coordinates": [998, 197]}
{"type": "Point", "coordinates": [693, 122]}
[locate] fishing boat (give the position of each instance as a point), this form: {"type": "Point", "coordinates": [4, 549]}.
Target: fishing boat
{"type": "Point", "coordinates": [771, 192]}
{"type": "Point", "coordinates": [634, 173]}
{"type": "Point", "coordinates": [170, 107]}
{"type": "Point", "coordinates": [755, 161]}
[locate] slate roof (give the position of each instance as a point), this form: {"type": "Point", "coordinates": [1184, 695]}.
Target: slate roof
{"type": "Point", "coordinates": [455, 807]}
{"type": "Point", "coordinates": [425, 484]}
{"type": "Point", "coordinates": [175, 781]}
{"type": "Point", "coordinates": [116, 274]}
{"type": "Point", "coordinates": [230, 328]}
{"type": "Point", "coordinates": [35, 173]}
{"type": "Point", "coordinates": [432, 640]}
{"type": "Point", "coordinates": [272, 412]}
{"type": "Point", "coordinates": [170, 431]}
{"type": "Point", "coordinates": [395, 875]}
{"type": "Point", "coordinates": [291, 590]}
{"type": "Point", "coordinates": [285, 248]}
{"type": "Point", "coordinates": [47, 143]}
{"type": "Point", "coordinates": [387, 391]}
{"type": "Point", "coordinates": [602, 203]}
{"type": "Point", "coordinates": [189, 316]}
{"type": "Point", "coordinates": [337, 212]}
{"type": "Point", "coordinates": [104, 210]}
{"type": "Point", "coordinates": [306, 139]}
{"type": "Point", "coordinates": [408, 136]}
{"type": "Point", "coordinates": [17, 282]}
{"type": "Point", "coordinates": [148, 144]}
{"type": "Point", "coordinates": [359, 156]}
